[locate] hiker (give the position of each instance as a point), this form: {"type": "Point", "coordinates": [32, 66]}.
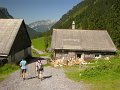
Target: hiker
{"type": "Point", "coordinates": [39, 69]}
{"type": "Point", "coordinates": [23, 67]}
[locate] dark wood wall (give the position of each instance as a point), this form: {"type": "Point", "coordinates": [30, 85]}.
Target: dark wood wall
{"type": "Point", "coordinates": [22, 40]}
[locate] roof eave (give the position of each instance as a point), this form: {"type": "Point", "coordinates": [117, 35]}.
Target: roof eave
{"type": "Point", "coordinates": [86, 50]}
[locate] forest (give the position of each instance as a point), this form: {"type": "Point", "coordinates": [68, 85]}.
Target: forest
{"type": "Point", "coordinates": [94, 15]}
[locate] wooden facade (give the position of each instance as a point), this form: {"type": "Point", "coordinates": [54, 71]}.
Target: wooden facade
{"type": "Point", "coordinates": [83, 55]}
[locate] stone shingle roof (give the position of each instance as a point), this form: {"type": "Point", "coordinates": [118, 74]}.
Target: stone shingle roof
{"type": "Point", "coordinates": [8, 31]}
{"type": "Point", "coordinates": [85, 40]}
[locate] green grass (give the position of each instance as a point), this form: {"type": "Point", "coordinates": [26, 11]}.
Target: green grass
{"type": "Point", "coordinates": [72, 72]}
{"type": "Point", "coordinates": [39, 43]}
{"type": "Point", "coordinates": [6, 70]}
{"type": "Point", "coordinates": [47, 65]}
{"type": "Point", "coordinates": [103, 75]}
{"type": "Point", "coordinates": [34, 53]}
{"type": "Point", "coordinates": [46, 54]}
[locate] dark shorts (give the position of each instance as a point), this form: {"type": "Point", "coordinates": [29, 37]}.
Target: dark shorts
{"type": "Point", "coordinates": [40, 71]}
{"type": "Point", "coordinates": [24, 70]}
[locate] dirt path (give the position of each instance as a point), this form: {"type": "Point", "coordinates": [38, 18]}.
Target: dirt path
{"type": "Point", "coordinates": [38, 51]}
{"type": "Point", "coordinates": [54, 79]}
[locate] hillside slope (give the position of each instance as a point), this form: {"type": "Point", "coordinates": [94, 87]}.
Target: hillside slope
{"type": "Point", "coordinates": [32, 33]}
{"type": "Point", "coordinates": [94, 15]}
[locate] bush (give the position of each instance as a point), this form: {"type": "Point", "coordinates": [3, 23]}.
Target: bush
{"type": "Point", "coordinates": [102, 69]}
{"type": "Point", "coordinates": [103, 75]}
{"type": "Point", "coordinates": [118, 52]}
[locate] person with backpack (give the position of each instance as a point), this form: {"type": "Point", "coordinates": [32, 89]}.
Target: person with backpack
{"type": "Point", "coordinates": [23, 67]}
{"type": "Point", "coordinates": [39, 68]}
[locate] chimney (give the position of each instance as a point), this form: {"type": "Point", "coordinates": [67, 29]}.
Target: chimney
{"type": "Point", "coordinates": [73, 25]}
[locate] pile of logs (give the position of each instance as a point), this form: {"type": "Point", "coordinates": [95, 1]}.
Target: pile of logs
{"type": "Point", "coordinates": [62, 62]}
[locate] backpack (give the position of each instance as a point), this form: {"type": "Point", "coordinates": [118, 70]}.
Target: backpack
{"type": "Point", "coordinates": [40, 67]}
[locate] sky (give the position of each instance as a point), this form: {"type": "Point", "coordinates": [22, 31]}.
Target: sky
{"type": "Point", "coordinates": [35, 10]}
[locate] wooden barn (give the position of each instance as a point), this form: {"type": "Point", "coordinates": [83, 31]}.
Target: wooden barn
{"type": "Point", "coordinates": [83, 44]}
{"type": "Point", "coordinates": [15, 42]}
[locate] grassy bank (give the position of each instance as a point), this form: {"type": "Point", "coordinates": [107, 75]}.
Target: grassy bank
{"type": "Point", "coordinates": [6, 70]}
{"type": "Point", "coordinates": [39, 43]}
{"type": "Point", "coordinates": [102, 75]}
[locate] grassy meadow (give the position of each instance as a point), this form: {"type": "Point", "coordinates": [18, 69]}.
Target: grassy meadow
{"type": "Point", "coordinates": [100, 74]}
{"type": "Point", "coordinates": [39, 43]}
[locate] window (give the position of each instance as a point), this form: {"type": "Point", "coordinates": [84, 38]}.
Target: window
{"type": "Point", "coordinates": [96, 55]}
{"type": "Point", "coordinates": [79, 55]}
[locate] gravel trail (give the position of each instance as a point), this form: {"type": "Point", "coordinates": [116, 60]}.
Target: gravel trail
{"type": "Point", "coordinates": [54, 79]}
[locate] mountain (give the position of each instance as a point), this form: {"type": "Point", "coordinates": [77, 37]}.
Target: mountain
{"type": "Point", "coordinates": [42, 26]}
{"type": "Point", "coordinates": [5, 15]}
{"type": "Point", "coordinates": [32, 33]}
{"type": "Point", "coordinates": [94, 15]}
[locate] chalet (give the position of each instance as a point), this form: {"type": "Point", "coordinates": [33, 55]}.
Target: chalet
{"type": "Point", "coordinates": [15, 42]}
{"type": "Point", "coordinates": [83, 44]}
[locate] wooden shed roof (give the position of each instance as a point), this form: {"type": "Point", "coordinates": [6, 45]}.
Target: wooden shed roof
{"type": "Point", "coordinates": [85, 40]}
{"type": "Point", "coordinates": [8, 31]}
